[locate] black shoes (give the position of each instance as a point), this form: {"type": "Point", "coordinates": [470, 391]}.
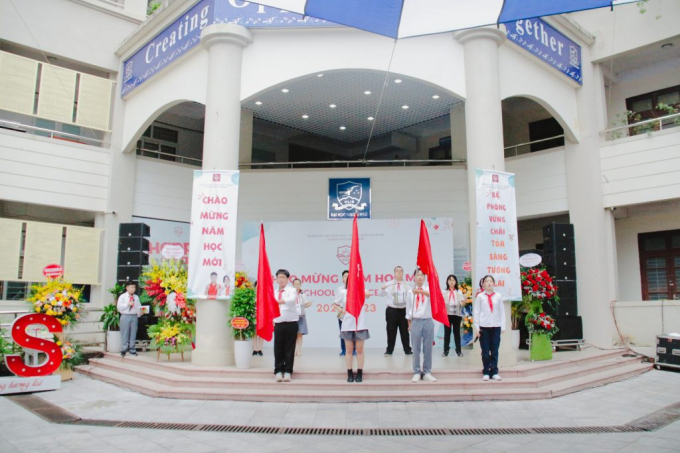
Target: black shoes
{"type": "Point", "coordinates": [134, 353]}
{"type": "Point", "coordinates": [260, 353]}
{"type": "Point", "coordinates": [460, 354]}
{"type": "Point", "coordinates": [409, 353]}
{"type": "Point", "coordinates": [360, 376]}
{"type": "Point", "coordinates": [350, 376]}
{"type": "Point", "coordinates": [445, 353]}
{"type": "Point", "coordinates": [122, 354]}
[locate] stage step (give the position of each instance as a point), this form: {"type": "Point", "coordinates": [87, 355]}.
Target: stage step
{"type": "Point", "coordinates": [533, 381]}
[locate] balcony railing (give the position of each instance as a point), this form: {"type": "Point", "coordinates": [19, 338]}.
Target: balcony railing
{"type": "Point", "coordinates": [50, 133]}
{"type": "Point", "coordinates": [642, 127]}
{"type": "Point", "coordinates": [350, 163]}
{"type": "Point", "coordinates": [513, 151]}
{"type": "Point", "coordinates": [152, 153]}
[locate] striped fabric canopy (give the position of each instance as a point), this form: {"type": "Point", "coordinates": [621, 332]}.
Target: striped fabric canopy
{"type": "Point", "coordinates": [408, 18]}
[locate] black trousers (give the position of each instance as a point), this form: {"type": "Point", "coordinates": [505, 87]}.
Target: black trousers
{"type": "Point", "coordinates": [396, 320]}
{"type": "Point", "coordinates": [454, 322]}
{"type": "Point", "coordinates": [285, 334]}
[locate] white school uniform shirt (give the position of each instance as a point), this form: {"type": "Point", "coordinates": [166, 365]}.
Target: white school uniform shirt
{"type": "Point", "coordinates": [288, 310]}
{"type": "Point", "coordinates": [453, 300]}
{"type": "Point", "coordinates": [349, 323]}
{"type": "Point", "coordinates": [418, 305]}
{"type": "Point", "coordinates": [124, 305]}
{"type": "Point", "coordinates": [483, 316]}
{"type": "Point", "coordinates": [300, 301]}
{"type": "Point", "coordinates": [396, 293]}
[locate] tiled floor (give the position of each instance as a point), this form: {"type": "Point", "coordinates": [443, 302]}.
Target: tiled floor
{"type": "Point", "coordinates": [614, 404]}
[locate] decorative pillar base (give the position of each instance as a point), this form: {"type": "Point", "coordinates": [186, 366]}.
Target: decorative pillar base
{"type": "Point", "coordinates": [214, 343]}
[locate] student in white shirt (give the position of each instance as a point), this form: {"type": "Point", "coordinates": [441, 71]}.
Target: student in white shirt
{"type": "Point", "coordinates": [285, 327]}
{"type": "Point", "coordinates": [301, 303]}
{"type": "Point", "coordinates": [395, 313]}
{"type": "Point", "coordinates": [354, 334]}
{"type": "Point", "coordinates": [421, 326]}
{"type": "Point", "coordinates": [453, 297]}
{"type": "Point", "coordinates": [130, 310]}
{"type": "Point", "coordinates": [339, 307]}
{"type": "Point", "coordinates": [489, 322]}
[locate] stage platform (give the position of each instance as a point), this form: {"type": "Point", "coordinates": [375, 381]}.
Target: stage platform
{"type": "Point", "coordinates": [320, 376]}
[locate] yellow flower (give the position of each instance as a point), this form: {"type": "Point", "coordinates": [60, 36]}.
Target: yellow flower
{"type": "Point", "coordinates": [63, 322]}
{"type": "Point", "coordinates": [59, 343]}
{"type": "Point", "coordinates": [75, 309]}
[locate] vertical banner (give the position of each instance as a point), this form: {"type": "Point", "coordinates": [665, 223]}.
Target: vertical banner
{"type": "Point", "coordinates": [497, 243]}
{"type": "Point", "coordinates": [212, 251]}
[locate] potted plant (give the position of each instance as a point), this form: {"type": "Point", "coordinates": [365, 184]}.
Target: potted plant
{"type": "Point", "coordinates": [541, 328]}
{"type": "Point", "coordinates": [71, 357]}
{"type": "Point", "coordinates": [243, 306]}
{"type": "Point", "coordinates": [170, 337]}
{"type": "Point", "coordinates": [518, 311]}
{"type": "Point", "coordinates": [110, 320]}
{"type": "Point", "coordinates": [7, 347]}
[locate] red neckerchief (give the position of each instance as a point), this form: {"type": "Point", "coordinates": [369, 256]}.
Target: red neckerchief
{"type": "Point", "coordinates": [490, 297]}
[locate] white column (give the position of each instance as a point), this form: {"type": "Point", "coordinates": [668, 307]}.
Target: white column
{"type": "Point", "coordinates": [224, 43]}
{"type": "Point", "coordinates": [484, 135]}
{"type": "Point", "coordinates": [595, 242]}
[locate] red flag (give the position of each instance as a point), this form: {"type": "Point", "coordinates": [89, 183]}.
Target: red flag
{"type": "Point", "coordinates": [426, 264]}
{"type": "Point", "coordinates": [267, 308]}
{"type": "Point", "coordinates": [356, 292]}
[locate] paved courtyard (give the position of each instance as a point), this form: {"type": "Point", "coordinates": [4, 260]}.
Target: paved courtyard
{"type": "Point", "coordinates": [614, 404]}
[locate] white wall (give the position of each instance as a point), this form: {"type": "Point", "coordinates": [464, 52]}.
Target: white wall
{"type": "Point", "coordinates": [541, 183]}
{"type": "Point", "coordinates": [53, 172]}
{"type": "Point", "coordinates": [640, 322]}
{"type": "Point", "coordinates": [641, 169]}
{"type": "Point", "coordinates": [162, 190]}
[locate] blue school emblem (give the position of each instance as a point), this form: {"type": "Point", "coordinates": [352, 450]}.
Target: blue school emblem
{"type": "Point", "coordinates": [347, 197]}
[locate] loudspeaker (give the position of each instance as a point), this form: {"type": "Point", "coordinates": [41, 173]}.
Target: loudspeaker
{"type": "Point", "coordinates": [567, 259]}
{"type": "Point", "coordinates": [133, 245]}
{"type": "Point", "coordinates": [566, 289]}
{"type": "Point", "coordinates": [134, 230]}
{"type": "Point", "coordinates": [571, 328]}
{"type": "Point", "coordinates": [133, 259]}
{"type": "Point", "coordinates": [558, 238]}
{"type": "Point", "coordinates": [145, 321]}
{"type": "Point", "coordinates": [567, 307]}
{"type": "Point", "coordinates": [560, 273]}
{"type": "Point", "coordinates": [126, 273]}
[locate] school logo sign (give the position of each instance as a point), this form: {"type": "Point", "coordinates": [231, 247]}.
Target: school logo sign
{"type": "Point", "coordinates": [347, 197]}
{"type": "Point", "coordinates": [343, 254]}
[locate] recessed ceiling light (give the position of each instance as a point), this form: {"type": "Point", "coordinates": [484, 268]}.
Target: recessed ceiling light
{"type": "Point", "coordinates": [342, 128]}
{"type": "Point", "coordinates": [436, 96]}
{"type": "Point", "coordinates": [367, 92]}
{"type": "Point", "coordinates": [285, 90]}
{"type": "Point", "coordinates": [332, 106]}
{"type": "Point", "coordinates": [258, 102]}
{"type": "Point", "coordinates": [319, 75]}
{"type": "Point", "coordinates": [404, 107]}
{"type": "Point", "coordinates": [370, 118]}
{"type": "Point", "coordinates": [397, 80]}
{"type": "Point", "coordinates": [304, 117]}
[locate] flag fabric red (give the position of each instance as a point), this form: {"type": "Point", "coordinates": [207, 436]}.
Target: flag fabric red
{"type": "Point", "coordinates": [267, 308]}
{"type": "Point", "coordinates": [356, 292]}
{"type": "Point", "coordinates": [426, 264]}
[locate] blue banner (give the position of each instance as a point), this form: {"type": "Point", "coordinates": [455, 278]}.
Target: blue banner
{"type": "Point", "coordinates": [547, 44]}
{"type": "Point", "coordinates": [349, 196]}
{"type": "Point", "coordinates": [185, 33]}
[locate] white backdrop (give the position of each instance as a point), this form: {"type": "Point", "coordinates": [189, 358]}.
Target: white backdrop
{"type": "Point", "coordinates": [318, 252]}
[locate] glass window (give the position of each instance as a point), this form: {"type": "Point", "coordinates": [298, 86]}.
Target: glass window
{"type": "Point", "coordinates": [669, 98]}
{"type": "Point", "coordinates": [641, 105]}
{"type": "Point", "coordinates": [654, 243]}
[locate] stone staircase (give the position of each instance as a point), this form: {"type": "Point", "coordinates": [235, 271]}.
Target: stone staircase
{"type": "Point", "coordinates": [533, 380]}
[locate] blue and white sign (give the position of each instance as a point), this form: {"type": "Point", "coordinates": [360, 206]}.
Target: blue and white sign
{"type": "Point", "coordinates": [349, 196]}
{"type": "Point", "coordinates": [185, 33]}
{"type": "Point", "coordinates": [547, 44]}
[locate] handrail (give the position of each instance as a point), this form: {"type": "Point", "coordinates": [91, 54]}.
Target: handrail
{"type": "Point", "coordinates": [114, 3]}
{"type": "Point", "coordinates": [660, 120]}
{"type": "Point", "coordinates": [348, 162]}
{"type": "Point", "coordinates": [530, 143]}
{"type": "Point", "coordinates": [175, 156]}
{"type": "Point", "coordinates": [52, 133]}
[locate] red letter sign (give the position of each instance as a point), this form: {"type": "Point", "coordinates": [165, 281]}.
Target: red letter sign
{"type": "Point", "coordinates": [14, 362]}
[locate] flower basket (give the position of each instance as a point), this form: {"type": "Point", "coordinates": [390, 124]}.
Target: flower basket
{"type": "Point", "coordinates": [541, 347]}
{"type": "Point", "coordinates": [165, 287]}
{"type": "Point", "coordinates": [57, 298]}
{"type": "Point", "coordinates": [170, 337]}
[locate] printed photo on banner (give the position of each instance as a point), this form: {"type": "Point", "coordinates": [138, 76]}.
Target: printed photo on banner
{"type": "Point", "coordinates": [497, 242]}
{"type": "Point", "coordinates": [212, 256]}
{"type": "Point", "coordinates": [349, 196]}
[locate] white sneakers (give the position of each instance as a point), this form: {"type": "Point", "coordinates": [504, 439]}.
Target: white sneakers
{"type": "Point", "coordinates": [282, 377]}
{"type": "Point", "coordinates": [279, 377]}
{"type": "Point", "coordinates": [495, 377]}
{"type": "Point", "coordinates": [429, 378]}
{"type": "Point", "coordinates": [286, 377]}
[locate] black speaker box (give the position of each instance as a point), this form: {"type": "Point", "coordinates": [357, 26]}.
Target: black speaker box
{"type": "Point", "coordinates": [560, 273]}
{"type": "Point", "coordinates": [145, 321]}
{"type": "Point", "coordinates": [566, 289]}
{"type": "Point", "coordinates": [565, 230]}
{"type": "Point", "coordinates": [559, 258]}
{"type": "Point", "coordinates": [558, 238]}
{"type": "Point", "coordinates": [133, 259]}
{"type": "Point", "coordinates": [134, 230]}
{"type": "Point", "coordinates": [133, 245]}
{"type": "Point", "coordinates": [126, 273]}
{"type": "Point", "coordinates": [571, 328]}
{"type": "Point", "coordinates": [567, 307]}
